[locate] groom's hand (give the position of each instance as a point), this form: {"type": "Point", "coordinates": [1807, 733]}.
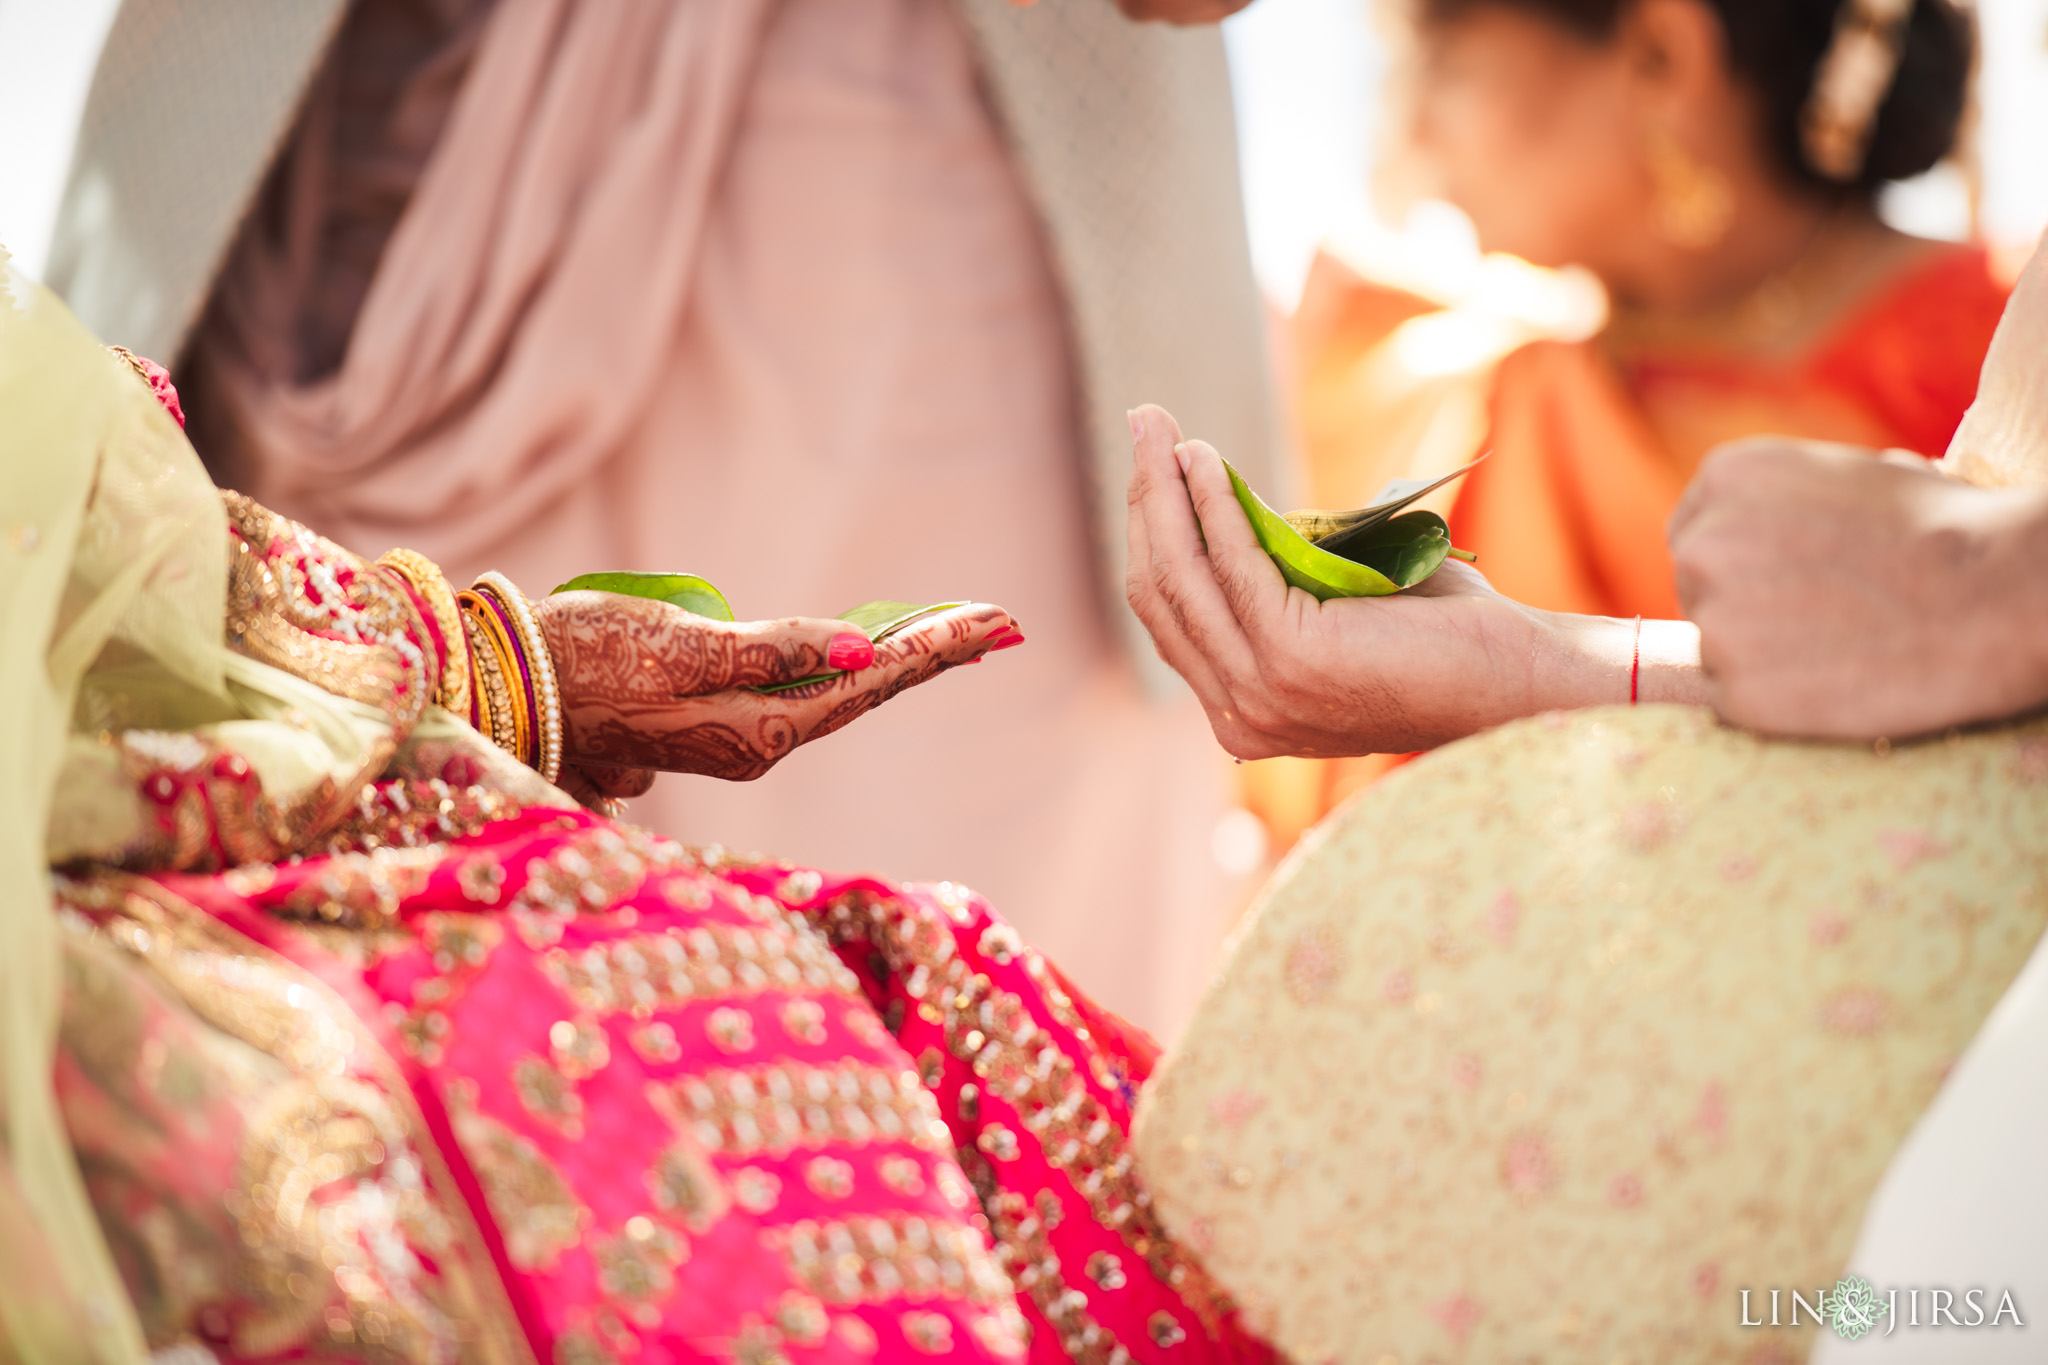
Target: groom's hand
{"type": "Point", "coordinates": [1280, 672]}
{"type": "Point", "coordinates": [648, 686]}
{"type": "Point", "coordinates": [1843, 596]}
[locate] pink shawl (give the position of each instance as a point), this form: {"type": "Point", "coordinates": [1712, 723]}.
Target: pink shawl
{"type": "Point", "coordinates": [527, 300]}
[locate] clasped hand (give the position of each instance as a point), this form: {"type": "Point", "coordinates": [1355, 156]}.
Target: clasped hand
{"type": "Point", "coordinates": [1843, 596]}
{"type": "Point", "coordinates": [648, 686]}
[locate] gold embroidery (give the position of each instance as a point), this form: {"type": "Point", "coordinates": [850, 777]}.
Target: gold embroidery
{"type": "Point", "coordinates": [210, 807]}
{"type": "Point", "coordinates": [548, 1095]}
{"type": "Point", "coordinates": [892, 1256]}
{"type": "Point", "coordinates": [306, 606]}
{"type": "Point", "coordinates": [362, 890]}
{"type": "Point", "coordinates": [579, 1048]}
{"type": "Point", "coordinates": [756, 1190]}
{"type": "Point", "coordinates": [638, 1264]}
{"type": "Point", "coordinates": [1026, 1253]}
{"type": "Point", "coordinates": [457, 942]}
{"type": "Point", "coordinates": [338, 1182]}
{"type": "Point", "coordinates": [642, 973]}
{"type": "Point", "coordinates": [535, 1210]}
{"type": "Point", "coordinates": [420, 812]}
{"type": "Point", "coordinates": [686, 1186]}
{"type": "Point", "coordinates": [303, 604]}
{"type": "Point", "coordinates": [578, 1347]}
{"type": "Point", "coordinates": [328, 1134]}
{"type": "Point", "coordinates": [427, 580]}
{"type": "Point", "coordinates": [775, 1108]}
{"type": "Point", "coordinates": [593, 870]}
{"type": "Point", "coordinates": [802, 1319]}
{"type": "Point", "coordinates": [481, 879]}
{"type": "Point", "coordinates": [1013, 1058]}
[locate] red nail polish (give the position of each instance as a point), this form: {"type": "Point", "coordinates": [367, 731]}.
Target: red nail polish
{"type": "Point", "coordinates": [850, 652]}
{"type": "Point", "coordinates": [1007, 642]}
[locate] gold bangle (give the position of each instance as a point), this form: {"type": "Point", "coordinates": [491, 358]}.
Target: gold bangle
{"type": "Point", "coordinates": [480, 699]}
{"type": "Point", "coordinates": [547, 693]}
{"type": "Point", "coordinates": [510, 728]}
{"type": "Point", "coordinates": [490, 681]}
{"type": "Point", "coordinates": [427, 580]}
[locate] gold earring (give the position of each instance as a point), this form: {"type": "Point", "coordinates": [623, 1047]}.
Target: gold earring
{"type": "Point", "coordinates": [1695, 206]}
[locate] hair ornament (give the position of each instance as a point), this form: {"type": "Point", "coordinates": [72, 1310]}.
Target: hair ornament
{"type": "Point", "coordinates": [1855, 74]}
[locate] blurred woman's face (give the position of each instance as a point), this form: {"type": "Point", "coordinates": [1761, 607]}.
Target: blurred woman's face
{"type": "Point", "coordinates": [1533, 132]}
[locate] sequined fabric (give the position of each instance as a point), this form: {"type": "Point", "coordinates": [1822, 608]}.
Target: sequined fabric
{"type": "Point", "coordinates": [701, 1108]}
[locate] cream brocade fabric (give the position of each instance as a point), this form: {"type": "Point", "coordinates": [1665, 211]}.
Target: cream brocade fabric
{"type": "Point", "coordinates": [1549, 1045]}
{"type": "Point", "coordinates": [1552, 1069]}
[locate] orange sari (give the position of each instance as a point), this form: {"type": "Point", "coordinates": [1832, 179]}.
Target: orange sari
{"type": "Point", "coordinates": [1591, 449]}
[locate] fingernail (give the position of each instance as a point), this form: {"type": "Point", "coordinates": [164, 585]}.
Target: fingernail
{"type": "Point", "coordinates": [1137, 428]}
{"type": "Point", "coordinates": [1007, 642]}
{"type": "Point", "coordinates": [1180, 453]}
{"type": "Point", "coordinates": [850, 652]}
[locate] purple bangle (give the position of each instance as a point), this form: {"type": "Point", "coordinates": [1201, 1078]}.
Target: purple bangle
{"type": "Point", "coordinates": [525, 669]}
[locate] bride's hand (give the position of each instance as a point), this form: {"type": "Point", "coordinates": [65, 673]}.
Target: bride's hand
{"type": "Point", "coordinates": [1281, 673]}
{"type": "Point", "coordinates": [649, 686]}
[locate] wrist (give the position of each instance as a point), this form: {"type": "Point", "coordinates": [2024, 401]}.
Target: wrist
{"type": "Point", "coordinates": [1578, 661]}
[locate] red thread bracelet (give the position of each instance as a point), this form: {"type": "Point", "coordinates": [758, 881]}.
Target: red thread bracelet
{"type": "Point", "coordinates": [1635, 664]}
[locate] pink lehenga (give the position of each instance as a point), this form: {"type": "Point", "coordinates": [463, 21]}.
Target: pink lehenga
{"type": "Point", "coordinates": [416, 1060]}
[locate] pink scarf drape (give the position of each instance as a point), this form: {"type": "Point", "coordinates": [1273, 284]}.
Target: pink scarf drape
{"type": "Point", "coordinates": [526, 302]}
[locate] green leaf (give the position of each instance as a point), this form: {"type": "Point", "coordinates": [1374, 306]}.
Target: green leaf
{"type": "Point", "coordinates": [879, 620]}
{"type": "Point", "coordinates": [876, 620]}
{"type": "Point", "coordinates": [1302, 564]}
{"type": "Point", "coordinates": [1370, 552]}
{"type": "Point", "coordinates": [1407, 548]}
{"type": "Point", "coordinates": [686, 590]}
{"type": "Point", "coordinates": [1319, 527]}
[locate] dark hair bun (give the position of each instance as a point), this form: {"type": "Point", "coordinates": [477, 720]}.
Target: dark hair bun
{"type": "Point", "coordinates": [1777, 45]}
{"type": "Point", "coordinates": [1919, 120]}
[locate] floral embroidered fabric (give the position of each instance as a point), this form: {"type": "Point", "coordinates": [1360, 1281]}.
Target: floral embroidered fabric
{"type": "Point", "coordinates": [1567, 1064]}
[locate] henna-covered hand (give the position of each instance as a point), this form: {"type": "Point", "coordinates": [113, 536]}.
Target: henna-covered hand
{"type": "Point", "coordinates": [649, 686]}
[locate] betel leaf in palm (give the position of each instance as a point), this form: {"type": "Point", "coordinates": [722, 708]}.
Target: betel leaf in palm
{"type": "Point", "coordinates": [876, 620]}
{"type": "Point", "coordinates": [1372, 551]}
{"type": "Point", "coordinates": [686, 590]}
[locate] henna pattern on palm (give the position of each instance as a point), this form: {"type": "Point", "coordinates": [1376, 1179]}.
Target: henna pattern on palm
{"type": "Point", "coordinates": [646, 685]}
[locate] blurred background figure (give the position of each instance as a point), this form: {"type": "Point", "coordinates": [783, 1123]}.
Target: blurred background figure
{"type": "Point", "coordinates": [826, 300]}
{"type": "Point", "coordinates": [1679, 202]}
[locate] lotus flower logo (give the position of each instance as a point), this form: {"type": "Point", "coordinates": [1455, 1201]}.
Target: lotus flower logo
{"type": "Point", "coordinates": [1854, 1307]}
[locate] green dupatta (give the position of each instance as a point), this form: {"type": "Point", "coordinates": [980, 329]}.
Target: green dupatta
{"type": "Point", "coordinates": [110, 531]}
